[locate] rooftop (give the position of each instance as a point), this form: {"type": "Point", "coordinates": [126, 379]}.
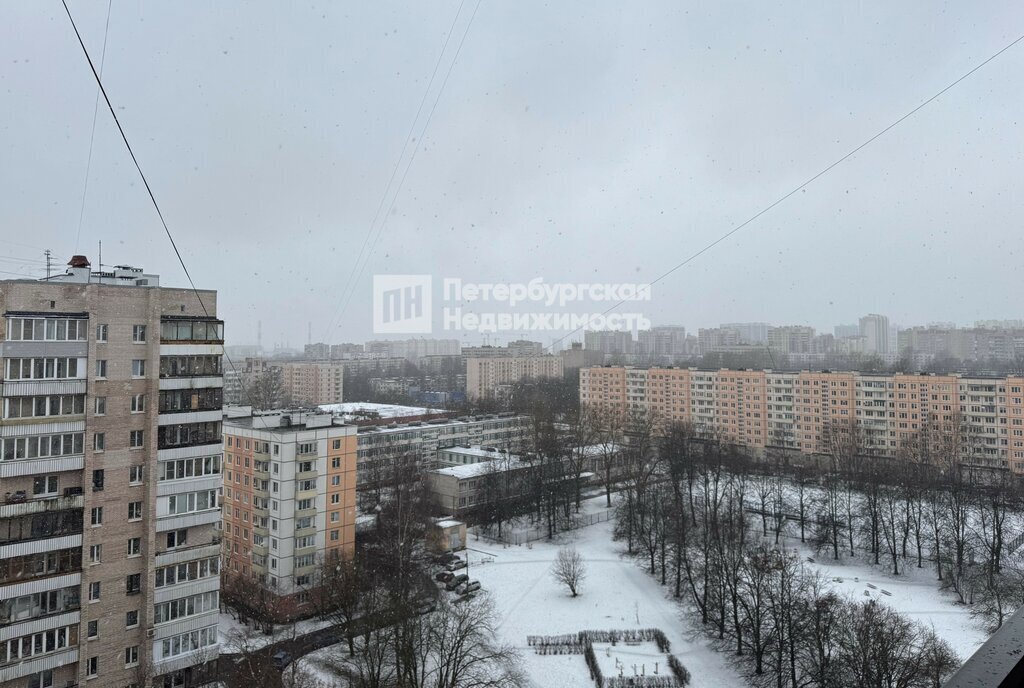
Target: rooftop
{"type": "Point", "coordinates": [365, 409]}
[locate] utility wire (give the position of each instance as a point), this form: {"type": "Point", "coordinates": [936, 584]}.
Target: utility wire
{"type": "Point", "coordinates": [351, 282]}
{"type": "Point", "coordinates": [92, 136]}
{"type": "Point", "coordinates": [804, 184]}
{"type": "Point", "coordinates": [415, 150]}
{"type": "Point", "coordinates": [145, 182]}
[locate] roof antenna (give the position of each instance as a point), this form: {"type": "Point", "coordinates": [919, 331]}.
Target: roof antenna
{"type": "Point", "coordinates": [47, 252]}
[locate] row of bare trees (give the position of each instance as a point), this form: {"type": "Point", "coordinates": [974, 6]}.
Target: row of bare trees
{"type": "Point", "coordinates": [710, 529]}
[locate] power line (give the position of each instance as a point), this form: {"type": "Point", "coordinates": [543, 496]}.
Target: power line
{"type": "Point", "coordinates": [806, 183]}
{"type": "Point", "coordinates": [350, 283]}
{"type": "Point", "coordinates": [415, 150]}
{"type": "Point", "coordinates": [92, 136]}
{"type": "Point", "coordinates": [149, 190]}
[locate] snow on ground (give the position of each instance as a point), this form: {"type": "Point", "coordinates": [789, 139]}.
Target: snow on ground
{"type": "Point", "coordinates": [623, 659]}
{"type": "Point", "coordinates": [233, 635]}
{"type": "Point", "coordinates": [915, 594]}
{"type": "Point", "coordinates": [616, 594]}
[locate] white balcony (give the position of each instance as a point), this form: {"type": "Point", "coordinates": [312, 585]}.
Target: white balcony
{"type": "Point", "coordinates": [34, 665]}
{"type": "Point", "coordinates": [20, 467]}
{"type": "Point", "coordinates": [47, 584]}
{"type": "Point", "coordinates": [200, 518]}
{"type": "Point", "coordinates": [45, 623]}
{"type": "Point", "coordinates": [38, 506]}
{"type": "Point", "coordinates": [21, 549]}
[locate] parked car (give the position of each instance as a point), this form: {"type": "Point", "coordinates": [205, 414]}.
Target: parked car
{"type": "Point", "coordinates": [455, 582]}
{"type": "Point", "coordinates": [456, 565]}
{"type": "Point", "coordinates": [468, 587]}
{"type": "Point", "coordinates": [444, 576]}
{"type": "Point", "coordinates": [281, 659]}
{"type": "Point", "coordinates": [426, 607]}
{"type": "Point", "coordinates": [445, 558]}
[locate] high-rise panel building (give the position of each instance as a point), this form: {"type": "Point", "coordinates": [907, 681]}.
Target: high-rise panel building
{"type": "Point", "coordinates": [750, 333]}
{"type": "Point", "coordinates": [110, 477]}
{"type": "Point", "coordinates": [486, 376]}
{"type": "Point", "coordinates": [877, 335]}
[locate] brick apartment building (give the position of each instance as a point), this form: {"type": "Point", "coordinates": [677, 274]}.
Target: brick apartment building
{"type": "Point", "coordinates": [109, 475]}
{"type": "Point", "coordinates": [485, 377]}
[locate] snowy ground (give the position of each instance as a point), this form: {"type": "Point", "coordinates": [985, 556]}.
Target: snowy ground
{"type": "Point", "coordinates": [915, 594]}
{"type": "Point", "coordinates": [616, 594]}
{"type": "Point", "coordinates": [624, 659]}
{"type": "Point", "coordinates": [233, 635]}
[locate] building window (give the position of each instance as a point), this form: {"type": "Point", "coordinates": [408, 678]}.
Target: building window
{"type": "Point", "coordinates": [138, 404]}
{"type": "Point", "coordinates": [100, 406]}
{"type": "Point", "coordinates": [133, 583]}
{"type": "Point", "coordinates": [44, 485]}
{"type": "Point", "coordinates": [92, 630]}
{"type": "Point", "coordinates": [94, 591]}
{"type": "Point", "coordinates": [135, 474]}
{"type": "Point", "coordinates": [134, 547]}
{"type": "Point", "coordinates": [177, 538]}
{"type": "Point", "coordinates": [337, 444]}
{"type": "Point", "coordinates": [336, 462]}
{"type": "Point", "coordinates": [336, 498]}
{"type": "Point", "coordinates": [131, 619]}
{"type": "Point", "coordinates": [101, 368]}
{"type": "Point", "coordinates": [335, 516]}
{"type": "Point", "coordinates": [98, 479]}
{"type": "Point", "coordinates": [44, 679]}
{"type": "Point", "coordinates": [139, 367]}
{"type": "Point", "coordinates": [92, 667]}
{"type": "Point", "coordinates": [131, 656]}
{"type": "Point", "coordinates": [97, 516]}
{"type": "Point", "coordinates": [134, 511]}
{"type": "Point", "coordinates": [138, 333]}
{"type": "Point", "coordinates": [334, 535]}
{"type": "Point", "coordinates": [136, 439]}
{"type": "Point", "coordinates": [99, 441]}
{"type": "Point", "coordinates": [95, 554]}
{"type": "Point", "coordinates": [101, 332]}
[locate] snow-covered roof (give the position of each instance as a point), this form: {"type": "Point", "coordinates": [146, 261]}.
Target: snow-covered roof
{"type": "Point", "coordinates": [447, 523]}
{"type": "Point", "coordinates": [365, 408]}
{"type": "Point", "coordinates": [475, 470]}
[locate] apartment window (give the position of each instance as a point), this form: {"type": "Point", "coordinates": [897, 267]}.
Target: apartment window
{"type": "Point", "coordinates": [335, 516]}
{"type": "Point", "coordinates": [99, 441]}
{"type": "Point", "coordinates": [336, 498]}
{"type": "Point", "coordinates": [96, 517]}
{"type": "Point", "coordinates": [44, 679]}
{"type": "Point", "coordinates": [92, 630]}
{"type": "Point", "coordinates": [302, 504]}
{"type": "Point", "coordinates": [138, 404]}
{"type": "Point", "coordinates": [334, 535]}
{"type": "Point", "coordinates": [138, 333]}
{"type": "Point", "coordinates": [335, 480]}
{"type": "Point", "coordinates": [136, 439]}
{"type": "Point", "coordinates": [134, 547]}
{"type": "Point", "coordinates": [95, 554]}
{"type": "Point", "coordinates": [337, 445]}
{"type": "Point", "coordinates": [336, 462]}
{"type": "Point", "coordinates": [92, 667]}
{"type": "Point", "coordinates": [305, 541]}
{"type": "Point", "coordinates": [101, 368]}
{"type": "Point", "coordinates": [131, 619]}
{"type": "Point", "coordinates": [44, 485]}
{"type": "Point", "coordinates": [101, 332]}
{"type": "Point", "coordinates": [100, 406]}
{"type": "Point", "coordinates": [131, 656]}
{"type": "Point", "coordinates": [139, 367]}
{"type": "Point", "coordinates": [135, 474]}
{"type": "Point", "coordinates": [133, 583]}
{"type": "Point", "coordinates": [177, 538]}
{"type": "Point", "coordinates": [134, 511]}
{"type": "Point", "coordinates": [98, 478]}
{"type": "Point", "coordinates": [94, 591]}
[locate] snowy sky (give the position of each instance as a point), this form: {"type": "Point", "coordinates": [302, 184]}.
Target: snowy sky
{"type": "Point", "coordinates": [574, 141]}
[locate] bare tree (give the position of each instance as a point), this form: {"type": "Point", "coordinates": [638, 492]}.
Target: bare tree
{"type": "Point", "coordinates": [569, 569]}
{"type": "Point", "coordinates": [266, 391]}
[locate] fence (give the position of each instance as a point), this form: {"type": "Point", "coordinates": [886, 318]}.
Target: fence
{"type": "Point", "coordinates": [520, 536]}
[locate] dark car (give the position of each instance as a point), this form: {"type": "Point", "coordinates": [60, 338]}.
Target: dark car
{"type": "Point", "coordinates": [445, 558]}
{"type": "Point", "coordinates": [281, 659]}
{"type": "Point", "coordinates": [444, 576]}
{"type": "Point", "coordinates": [426, 607]}
{"type": "Point", "coordinates": [468, 587]}
{"type": "Point", "coordinates": [456, 581]}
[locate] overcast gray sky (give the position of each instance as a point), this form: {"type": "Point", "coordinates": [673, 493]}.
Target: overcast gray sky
{"type": "Point", "coordinates": [575, 141]}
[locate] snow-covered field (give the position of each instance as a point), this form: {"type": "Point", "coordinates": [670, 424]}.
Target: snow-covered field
{"type": "Point", "coordinates": [615, 595]}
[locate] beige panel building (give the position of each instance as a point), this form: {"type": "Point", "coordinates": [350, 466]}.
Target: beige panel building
{"type": "Point", "coordinates": [486, 376]}
{"type": "Point", "coordinates": [806, 411]}
{"type": "Point", "coordinates": [110, 475]}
